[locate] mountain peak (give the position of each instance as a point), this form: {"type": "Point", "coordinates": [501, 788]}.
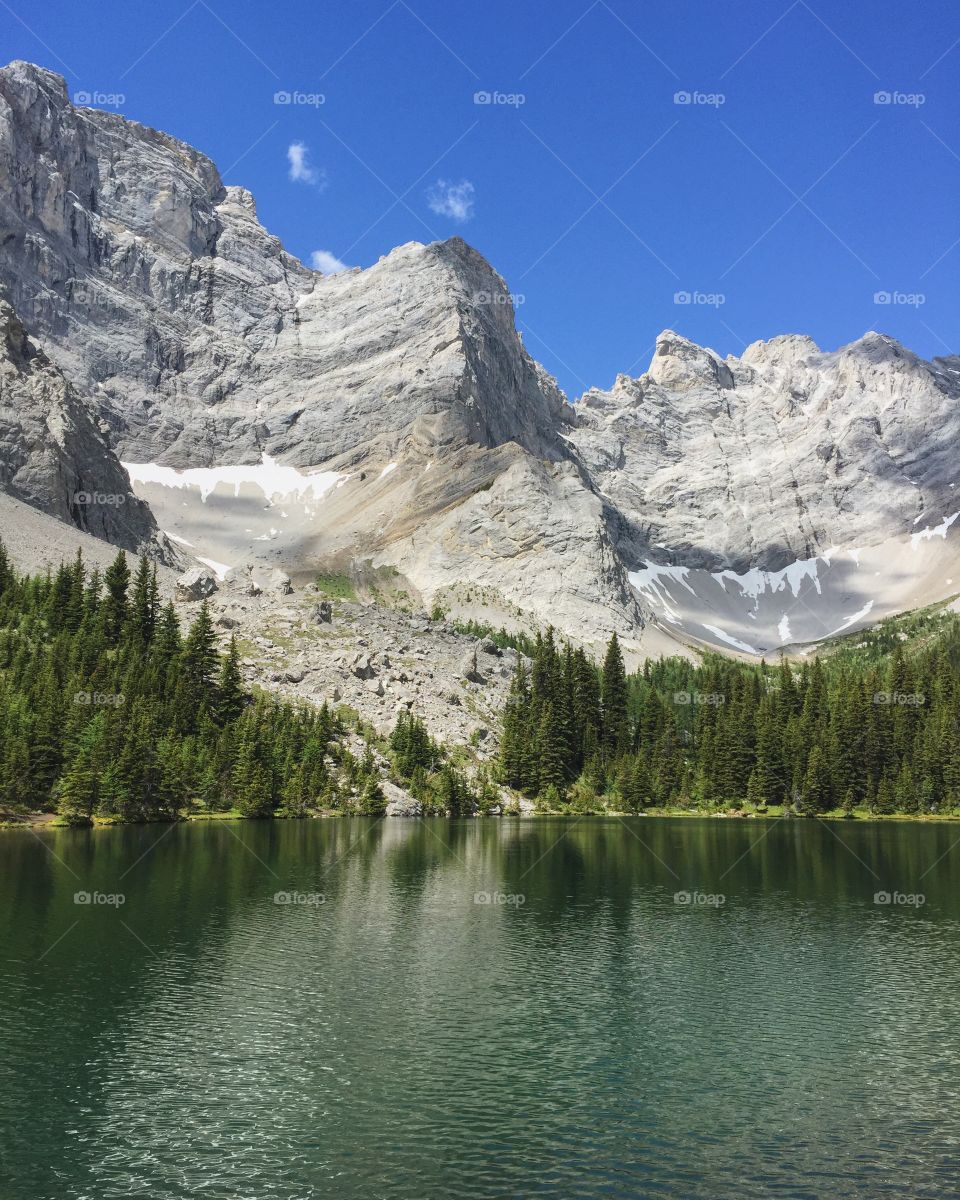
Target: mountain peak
{"type": "Point", "coordinates": [782, 349]}
{"type": "Point", "coordinates": [28, 74]}
{"type": "Point", "coordinates": [682, 365]}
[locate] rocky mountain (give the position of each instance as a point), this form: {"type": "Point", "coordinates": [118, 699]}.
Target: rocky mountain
{"type": "Point", "coordinates": [390, 419]}
{"type": "Point", "coordinates": [777, 455]}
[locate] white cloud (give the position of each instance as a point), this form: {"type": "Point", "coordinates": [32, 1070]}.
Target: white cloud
{"type": "Point", "coordinates": [300, 169]}
{"type": "Point", "coordinates": [454, 200]}
{"type": "Point", "coordinates": [329, 264]}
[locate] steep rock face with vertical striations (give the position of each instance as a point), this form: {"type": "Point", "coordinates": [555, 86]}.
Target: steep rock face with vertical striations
{"type": "Point", "coordinates": [201, 338]}
{"type": "Point", "coordinates": [53, 456]}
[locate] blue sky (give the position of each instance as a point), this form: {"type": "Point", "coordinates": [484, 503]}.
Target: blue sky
{"type": "Point", "coordinates": [781, 198]}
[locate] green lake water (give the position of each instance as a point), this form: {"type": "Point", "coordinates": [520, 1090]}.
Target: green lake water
{"type": "Point", "coordinates": [546, 1008]}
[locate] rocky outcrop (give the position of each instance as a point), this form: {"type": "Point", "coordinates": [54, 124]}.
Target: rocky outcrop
{"type": "Point", "coordinates": [196, 584]}
{"type": "Point", "coordinates": [52, 454]}
{"type": "Point", "coordinates": [399, 802]}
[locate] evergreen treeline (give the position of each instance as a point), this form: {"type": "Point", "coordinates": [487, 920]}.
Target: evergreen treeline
{"type": "Point", "coordinates": [844, 733]}
{"type": "Point", "coordinates": [107, 710]}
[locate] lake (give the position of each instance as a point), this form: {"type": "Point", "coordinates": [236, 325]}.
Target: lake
{"type": "Point", "coordinates": [542, 1008]}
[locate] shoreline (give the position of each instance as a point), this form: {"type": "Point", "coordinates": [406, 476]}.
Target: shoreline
{"type": "Point", "coordinates": [38, 821]}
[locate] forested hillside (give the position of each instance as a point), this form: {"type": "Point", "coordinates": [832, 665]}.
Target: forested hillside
{"type": "Point", "coordinates": [107, 710]}
{"type": "Point", "coordinates": [874, 727]}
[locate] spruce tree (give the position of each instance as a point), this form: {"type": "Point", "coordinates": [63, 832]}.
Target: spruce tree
{"type": "Point", "coordinates": [614, 699]}
{"type": "Point", "coordinates": [115, 607]}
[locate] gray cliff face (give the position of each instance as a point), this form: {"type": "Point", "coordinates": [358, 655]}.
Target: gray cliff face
{"type": "Point", "coordinates": [778, 455]}
{"type": "Point", "coordinates": [151, 283]}
{"type": "Point", "coordinates": [176, 329]}
{"type": "Point", "coordinates": [52, 455]}
{"type": "Point", "coordinates": [201, 340]}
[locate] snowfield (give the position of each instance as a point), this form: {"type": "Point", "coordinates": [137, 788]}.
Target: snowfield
{"type": "Point", "coordinates": [762, 612]}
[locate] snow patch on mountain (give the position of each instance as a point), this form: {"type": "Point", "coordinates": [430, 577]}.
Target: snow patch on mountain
{"type": "Point", "coordinates": [277, 481]}
{"type": "Point", "coordinates": [933, 531]}
{"type": "Point", "coordinates": [730, 640]}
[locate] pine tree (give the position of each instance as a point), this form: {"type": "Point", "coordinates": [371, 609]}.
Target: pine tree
{"type": "Point", "coordinates": [550, 750]}
{"type": "Point", "coordinates": [143, 606]}
{"type": "Point", "coordinates": [230, 701]}
{"type": "Point", "coordinates": [115, 607]}
{"type": "Point", "coordinates": [614, 699]}
{"type": "Point", "coordinates": [815, 793]}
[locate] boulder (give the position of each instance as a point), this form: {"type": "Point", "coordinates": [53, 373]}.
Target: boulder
{"type": "Point", "coordinates": [362, 667]}
{"type": "Point", "coordinates": [279, 583]}
{"type": "Point", "coordinates": [322, 613]}
{"type": "Point", "coordinates": [399, 802]}
{"type": "Point", "coordinates": [240, 579]}
{"type": "Point", "coordinates": [196, 584]}
{"type": "Point", "coordinates": [468, 668]}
